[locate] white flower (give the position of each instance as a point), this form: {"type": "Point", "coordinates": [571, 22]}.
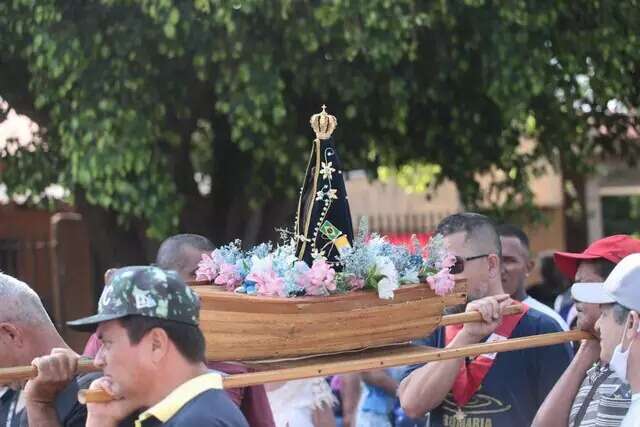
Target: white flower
{"type": "Point", "coordinates": [316, 254]}
{"type": "Point", "coordinates": [320, 195]}
{"type": "Point", "coordinates": [332, 194]}
{"type": "Point", "coordinates": [389, 283]}
{"type": "Point", "coordinates": [375, 243]}
{"type": "Point", "coordinates": [260, 265]}
{"type": "Point", "coordinates": [410, 276]}
{"type": "Point", "coordinates": [327, 170]}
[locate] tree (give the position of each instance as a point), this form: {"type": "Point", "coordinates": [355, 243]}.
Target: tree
{"type": "Point", "coordinates": [163, 115]}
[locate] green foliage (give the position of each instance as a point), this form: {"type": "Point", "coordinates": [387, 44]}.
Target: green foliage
{"type": "Point", "coordinates": [138, 95]}
{"type": "Point", "coordinates": [413, 177]}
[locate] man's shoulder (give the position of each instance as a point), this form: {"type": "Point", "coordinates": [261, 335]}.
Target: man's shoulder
{"type": "Point", "coordinates": [535, 322]}
{"type": "Point", "coordinates": [546, 310]}
{"type": "Point", "coordinates": [610, 400]}
{"type": "Point", "coordinates": [70, 411]}
{"type": "Point", "coordinates": [211, 407]}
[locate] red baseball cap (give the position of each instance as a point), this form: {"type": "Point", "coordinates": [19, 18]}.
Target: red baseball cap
{"type": "Point", "coordinates": [612, 248]}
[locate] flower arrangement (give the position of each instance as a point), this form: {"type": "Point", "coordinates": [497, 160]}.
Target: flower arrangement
{"type": "Point", "coordinates": [371, 263]}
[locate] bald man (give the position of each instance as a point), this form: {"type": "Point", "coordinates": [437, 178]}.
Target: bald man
{"type": "Point", "coordinates": [182, 253]}
{"type": "Point", "coordinates": [26, 335]}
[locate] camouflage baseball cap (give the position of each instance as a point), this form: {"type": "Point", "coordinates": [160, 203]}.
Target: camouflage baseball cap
{"type": "Point", "coordinates": [145, 291]}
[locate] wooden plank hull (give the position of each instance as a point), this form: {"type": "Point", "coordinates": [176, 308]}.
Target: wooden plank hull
{"type": "Point", "coordinates": [243, 327]}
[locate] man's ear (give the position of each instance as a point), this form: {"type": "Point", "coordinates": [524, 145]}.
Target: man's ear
{"type": "Point", "coordinates": [11, 334]}
{"type": "Point", "coordinates": [530, 266]}
{"type": "Point", "coordinates": [631, 330]}
{"type": "Point", "coordinates": [633, 326]}
{"type": "Point", "coordinates": [495, 265]}
{"type": "Point", "coordinates": [159, 342]}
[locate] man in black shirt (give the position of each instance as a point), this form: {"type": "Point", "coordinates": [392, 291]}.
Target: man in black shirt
{"type": "Point", "coordinates": [26, 332]}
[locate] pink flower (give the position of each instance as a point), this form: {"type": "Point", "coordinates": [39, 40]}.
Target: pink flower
{"type": "Point", "coordinates": [268, 283]}
{"type": "Point", "coordinates": [355, 283]}
{"type": "Point", "coordinates": [207, 268]}
{"type": "Point", "coordinates": [442, 282]}
{"type": "Point", "coordinates": [448, 261]}
{"type": "Point", "coordinates": [320, 279]}
{"type": "Point", "coordinates": [228, 276]}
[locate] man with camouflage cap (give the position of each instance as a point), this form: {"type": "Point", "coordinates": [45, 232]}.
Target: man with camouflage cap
{"type": "Point", "coordinates": [152, 355]}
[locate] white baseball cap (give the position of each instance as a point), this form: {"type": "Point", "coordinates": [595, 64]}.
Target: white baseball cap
{"type": "Point", "coordinates": [622, 286]}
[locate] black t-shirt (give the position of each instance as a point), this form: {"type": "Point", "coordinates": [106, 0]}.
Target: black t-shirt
{"type": "Point", "coordinates": [515, 386]}
{"type": "Point", "coordinates": [70, 412]}
{"type": "Point", "coordinates": [211, 408]}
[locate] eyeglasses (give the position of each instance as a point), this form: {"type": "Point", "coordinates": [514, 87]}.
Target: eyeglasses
{"type": "Point", "coordinates": [458, 267]}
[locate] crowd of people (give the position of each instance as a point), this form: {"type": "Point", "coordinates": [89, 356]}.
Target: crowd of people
{"type": "Point", "coordinates": [151, 352]}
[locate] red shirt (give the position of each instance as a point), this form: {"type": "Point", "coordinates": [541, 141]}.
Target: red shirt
{"type": "Point", "coordinates": [252, 401]}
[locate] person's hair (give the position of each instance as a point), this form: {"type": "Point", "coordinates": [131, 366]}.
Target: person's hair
{"type": "Point", "coordinates": [479, 229]}
{"type": "Point", "coordinates": [510, 230]}
{"type": "Point", "coordinates": [620, 313]}
{"type": "Point", "coordinates": [19, 303]}
{"type": "Point", "coordinates": [552, 278]}
{"type": "Point", "coordinates": [604, 267]}
{"type": "Point", "coordinates": [169, 255]}
{"type": "Point", "coordinates": [188, 339]}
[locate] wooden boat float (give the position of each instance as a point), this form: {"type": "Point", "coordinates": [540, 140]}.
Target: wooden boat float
{"type": "Point", "coordinates": [352, 333]}
{"type": "Point", "coordinates": [248, 327]}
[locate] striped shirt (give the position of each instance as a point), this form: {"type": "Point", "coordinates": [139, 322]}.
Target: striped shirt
{"type": "Point", "coordinates": [633, 416]}
{"type": "Point", "coordinates": [609, 403]}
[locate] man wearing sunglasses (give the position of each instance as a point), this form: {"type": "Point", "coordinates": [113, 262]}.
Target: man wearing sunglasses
{"type": "Point", "coordinates": [491, 389]}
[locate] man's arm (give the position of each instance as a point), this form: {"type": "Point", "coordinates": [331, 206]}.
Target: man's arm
{"type": "Point", "coordinates": [55, 372]}
{"type": "Point", "coordinates": [381, 379]}
{"type": "Point", "coordinates": [426, 387]}
{"type": "Point", "coordinates": [42, 414]}
{"type": "Point", "coordinates": [556, 408]}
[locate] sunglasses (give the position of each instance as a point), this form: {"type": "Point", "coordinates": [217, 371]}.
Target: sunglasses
{"type": "Point", "coordinates": [458, 267]}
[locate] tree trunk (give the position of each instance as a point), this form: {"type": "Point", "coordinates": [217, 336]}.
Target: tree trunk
{"type": "Point", "coordinates": [575, 213]}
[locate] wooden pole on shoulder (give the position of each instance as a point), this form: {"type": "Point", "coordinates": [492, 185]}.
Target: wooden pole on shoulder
{"type": "Point", "coordinates": [370, 359]}
{"type": "Point", "coordinates": [24, 373]}
{"type": "Point", "coordinates": [387, 358]}
{"type": "Point", "coordinates": [346, 362]}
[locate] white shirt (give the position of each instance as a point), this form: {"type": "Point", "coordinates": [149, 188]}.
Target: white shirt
{"type": "Point", "coordinates": [537, 305]}
{"type": "Point", "coordinates": [632, 419]}
{"type": "Point", "coordinates": [293, 403]}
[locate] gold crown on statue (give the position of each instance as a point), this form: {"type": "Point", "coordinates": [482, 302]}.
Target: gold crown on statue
{"type": "Point", "coordinates": [323, 124]}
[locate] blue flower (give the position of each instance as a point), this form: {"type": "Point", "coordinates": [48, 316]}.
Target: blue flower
{"type": "Point", "coordinates": [250, 287]}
